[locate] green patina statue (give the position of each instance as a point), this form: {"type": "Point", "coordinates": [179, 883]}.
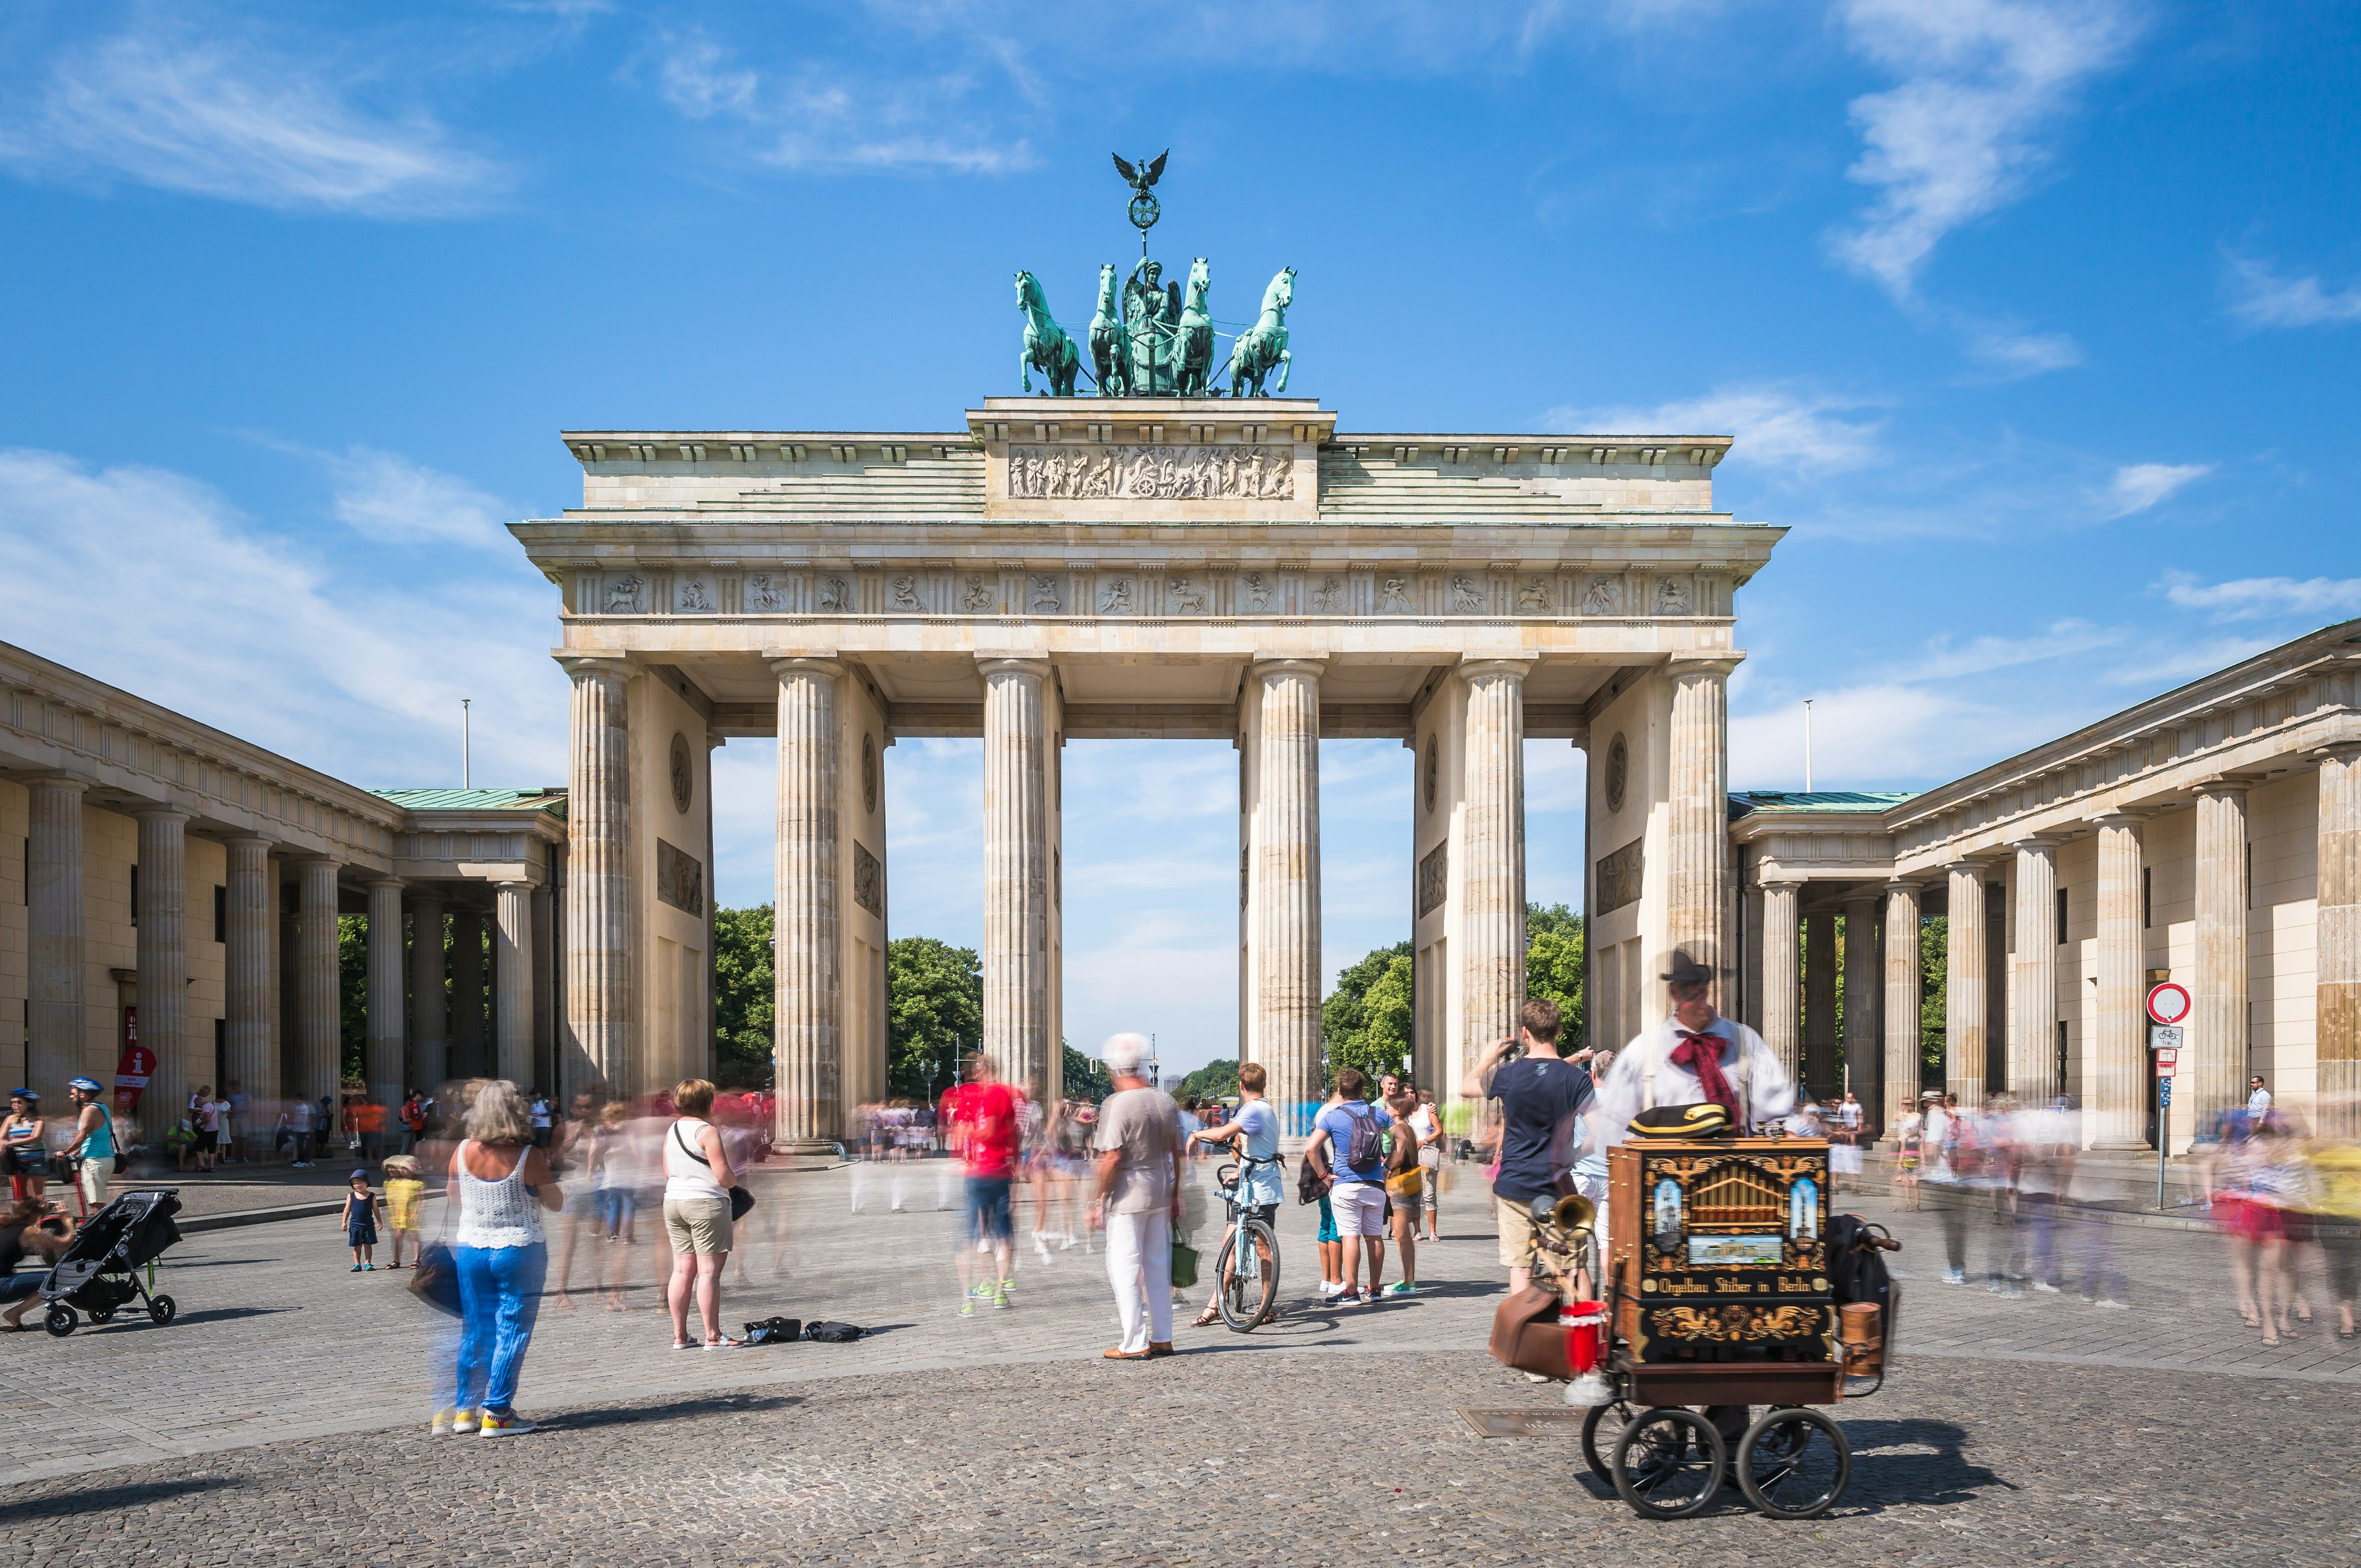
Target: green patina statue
{"type": "Point", "coordinates": [1047, 347]}
{"type": "Point", "coordinates": [1192, 345]}
{"type": "Point", "coordinates": [1152, 318]}
{"type": "Point", "coordinates": [1108, 355]}
{"type": "Point", "coordinates": [1262, 347]}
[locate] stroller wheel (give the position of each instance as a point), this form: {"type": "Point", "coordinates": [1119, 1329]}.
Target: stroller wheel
{"type": "Point", "coordinates": [101, 1314]}
{"type": "Point", "coordinates": [160, 1309]}
{"type": "Point", "coordinates": [60, 1321]}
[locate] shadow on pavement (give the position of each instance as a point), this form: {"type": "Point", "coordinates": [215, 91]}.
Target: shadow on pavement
{"type": "Point", "coordinates": [105, 1499]}
{"type": "Point", "coordinates": [675, 1410]}
{"type": "Point", "coordinates": [137, 1319]}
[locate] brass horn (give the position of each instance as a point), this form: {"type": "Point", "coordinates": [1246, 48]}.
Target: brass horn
{"type": "Point", "coordinates": [1573, 1213]}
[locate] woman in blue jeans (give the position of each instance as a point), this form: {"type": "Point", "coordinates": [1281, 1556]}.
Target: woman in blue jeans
{"type": "Point", "coordinates": [501, 1184]}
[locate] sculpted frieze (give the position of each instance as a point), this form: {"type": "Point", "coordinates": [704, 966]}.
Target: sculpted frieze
{"type": "Point", "coordinates": [1152, 473]}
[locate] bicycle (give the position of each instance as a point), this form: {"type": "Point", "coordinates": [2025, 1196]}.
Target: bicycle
{"type": "Point", "coordinates": [1247, 1293]}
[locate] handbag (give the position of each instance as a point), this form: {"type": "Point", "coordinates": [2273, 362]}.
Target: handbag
{"type": "Point", "coordinates": [741, 1200]}
{"type": "Point", "coordinates": [1184, 1265]}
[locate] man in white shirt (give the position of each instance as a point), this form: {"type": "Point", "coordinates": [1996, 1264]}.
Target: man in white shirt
{"type": "Point", "coordinates": [1694, 1055]}
{"type": "Point", "coordinates": [2258, 1104]}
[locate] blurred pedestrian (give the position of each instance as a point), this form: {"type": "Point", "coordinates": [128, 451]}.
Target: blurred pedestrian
{"type": "Point", "coordinates": [502, 1185]}
{"type": "Point", "coordinates": [1139, 1187]}
{"type": "Point", "coordinates": [1541, 1095]}
{"type": "Point", "coordinates": [1909, 1156]}
{"type": "Point", "coordinates": [1405, 1190]}
{"type": "Point", "coordinates": [2336, 1220]}
{"type": "Point", "coordinates": [1844, 1145]}
{"type": "Point", "coordinates": [405, 1194]}
{"type": "Point", "coordinates": [1350, 1137]}
{"type": "Point", "coordinates": [1428, 1126]}
{"type": "Point", "coordinates": [987, 1127]}
{"type": "Point", "coordinates": [26, 1232]}
{"type": "Point", "coordinates": [93, 1143]}
{"type": "Point", "coordinates": [697, 1180]}
{"type": "Point", "coordinates": [23, 1153]}
{"type": "Point", "coordinates": [2258, 1099]}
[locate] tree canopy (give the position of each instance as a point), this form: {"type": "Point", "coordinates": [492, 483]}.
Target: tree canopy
{"type": "Point", "coordinates": [934, 1009]}
{"type": "Point", "coordinates": [743, 998]}
{"type": "Point", "coordinates": [1214, 1081]}
{"type": "Point", "coordinates": [1369, 1021]}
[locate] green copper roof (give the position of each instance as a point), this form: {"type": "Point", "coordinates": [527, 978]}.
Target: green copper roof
{"type": "Point", "coordinates": [1865, 801]}
{"type": "Point", "coordinates": [552, 800]}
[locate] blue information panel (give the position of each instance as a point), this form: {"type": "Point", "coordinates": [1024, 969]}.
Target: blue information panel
{"type": "Point", "coordinates": [2164, 1091]}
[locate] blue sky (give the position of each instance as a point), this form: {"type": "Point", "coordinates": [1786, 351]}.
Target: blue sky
{"type": "Point", "coordinates": [2036, 323]}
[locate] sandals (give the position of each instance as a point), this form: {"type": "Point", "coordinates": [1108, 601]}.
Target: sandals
{"type": "Point", "coordinates": [725, 1342]}
{"type": "Point", "coordinates": [1207, 1318]}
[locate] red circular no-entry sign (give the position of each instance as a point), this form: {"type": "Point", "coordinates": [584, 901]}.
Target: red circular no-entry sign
{"type": "Point", "coordinates": [2168, 1002]}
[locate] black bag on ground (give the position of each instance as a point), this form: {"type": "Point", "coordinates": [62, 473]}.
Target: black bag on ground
{"type": "Point", "coordinates": [1857, 1270]}
{"type": "Point", "coordinates": [775, 1331]}
{"type": "Point", "coordinates": [833, 1333]}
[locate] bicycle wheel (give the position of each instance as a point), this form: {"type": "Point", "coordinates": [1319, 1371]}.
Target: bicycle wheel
{"type": "Point", "coordinates": [1669, 1462]}
{"type": "Point", "coordinates": [1248, 1276]}
{"type": "Point", "coordinates": [1793, 1464]}
{"type": "Point", "coordinates": [1600, 1428]}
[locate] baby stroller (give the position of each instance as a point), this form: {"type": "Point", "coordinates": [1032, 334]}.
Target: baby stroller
{"type": "Point", "coordinates": [99, 1271]}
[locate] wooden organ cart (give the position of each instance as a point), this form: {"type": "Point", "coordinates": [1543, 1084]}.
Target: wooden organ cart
{"type": "Point", "coordinates": [1719, 1295]}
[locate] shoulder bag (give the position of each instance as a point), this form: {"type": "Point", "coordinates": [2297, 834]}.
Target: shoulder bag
{"type": "Point", "coordinates": [741, 1200]}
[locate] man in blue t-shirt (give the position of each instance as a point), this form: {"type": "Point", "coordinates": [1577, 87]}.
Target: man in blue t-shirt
{"type": "Point", "coordinates": [1540, 1094]}
{"type": "Point", "coordinates": [1253, 1135]}
{"type": "Point", "coordinates": [1358, 1197]}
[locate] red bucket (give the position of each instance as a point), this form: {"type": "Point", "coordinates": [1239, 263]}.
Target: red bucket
{"type": "Point", "coordinates": [1585, 1323]}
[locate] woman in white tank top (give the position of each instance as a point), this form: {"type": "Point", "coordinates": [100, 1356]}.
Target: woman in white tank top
{"type": "Point", "coordinates": [698, 1178]}
{"type": "Point", "coordinates": [500, 1184]}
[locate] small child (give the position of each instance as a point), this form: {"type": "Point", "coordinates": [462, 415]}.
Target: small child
{"type": "Point", "coordinates": [403, 1194]}
{"type": "Point", "coordinates": [361, 1221]}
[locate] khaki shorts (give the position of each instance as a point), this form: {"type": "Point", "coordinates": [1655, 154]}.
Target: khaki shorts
{"type": "Point", "coordinates": [697, 1224]}
{"type": "Point", "coordinates": [1516, 1234]}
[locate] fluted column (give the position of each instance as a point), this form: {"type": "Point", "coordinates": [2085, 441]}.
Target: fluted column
{"type": "Point", "coordinates": [1898, 1085]}
{"type": "Point", "coordinates": [1781, 1007]}
{"type": "Point", "coordinates": [430, 1052]}
{"type": "Point", "coordinates": [318, 1009]}
{"type": "Point", "coordinates": [1282, 853]}
{"type": "Point", "coordinates": [1491, 935]}
{"type": "Point", "coordinates": [54, 890]}
{"type": "Point", "coordinates": [1862, 982]}
{"type": "Point", "coordinates": [1750, 913]}
{"type": "Point", "coordinates": [1965, 993]}
{"type": "Point", "coordinates": [544, 1013]}
{"type": "Point", "coordinates": [513, 974]}
{"type": "Point", "coordinates": [2119, 1119]}
{"type": "Point", "coordinates": [383, 1051]}
{"type": "Point", "coordinates": [807, 1036]}
{"type": "Point", "coordinates": [1016, 872]}
{"type": "Point", "coordinates": [1696, 845]}
{"type": "Point", "coordinates": [2337, 934]}
{"type": "Point", "coordinates": [599, 938]}
{"type": "Point", "coordinates": [250, 1000]}
{"type": "Point", "coordinates": [2032, 1008]}
{"type": "Point", "coordinates": [2213, 1069]}
{"type": "Point", "coordinates": [468, 1057]}
{"type": "Point", "coordinates": [163, 960]}
{"type": "Point", "coordinates": [1819, 1002]}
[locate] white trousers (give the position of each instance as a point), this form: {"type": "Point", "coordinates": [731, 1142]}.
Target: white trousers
{"type": "Point", "coordinates": [1140, 1267]}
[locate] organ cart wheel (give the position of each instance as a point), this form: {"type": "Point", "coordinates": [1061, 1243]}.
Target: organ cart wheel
{"type": "Point", "coordinates": [61, 1320]}
{"type": "Point", "coordinates": [1669, 1462]}
{"type": "Point", "coordinates": [1793, 1464]}
{"type": "Point", "coordinates": [160, 1309]}
{"type": "Point", "coordinates": [1600, 1428]}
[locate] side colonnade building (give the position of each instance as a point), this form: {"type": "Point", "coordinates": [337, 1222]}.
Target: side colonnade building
{"type": "Point", "coordinates": [2211, 836]}
{"type": "Point", "coordinates": [171, 885]}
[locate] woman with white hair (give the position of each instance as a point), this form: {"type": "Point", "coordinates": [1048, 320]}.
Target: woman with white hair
{"type": "Point", "coordinates": [1139, 1181]}
{"type": "Point", "coordinates": [500, 1183]}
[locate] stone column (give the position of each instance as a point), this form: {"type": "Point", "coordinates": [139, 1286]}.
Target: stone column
{"type": "Point", "coordinates": [1018, 1007]}
{"type": "Point", "coordinates": [1696, 847]}
{"type": "Point", "coordinates": [544, 1013]}
{"type": "Point", "coordinates": [383, 1052]}
{"type": "Point", "coordinates": [2337, 935]}
{"type": "Point", "coordinates": [2032, 1021]}
{"type": "Point", "coordinates": [1283, 868]}
{"type": "Point", "coordinates": [2214, 1069]}
{"type": "Point", "coordinates": [807, 1036]}
{"type": "Point", "coordinates": [1819, 1002]}
{"type": "Point", "coordinates": [1898, 1084]}
{"type": "Point", "coordinates": [430, 1059]}
{"type": "Point", "coordinates": [513, 973]}
{"type": "Point", "coordinates": [1965, 995]}
{"type": "Point", "coordinates": [53, 891]}
{"type": "Point", "coordinates": [468, 1058]}
{"type": "Point", "coordinates": [1782, 1008]}
{"type": "Point", "coordinates": [319, 1039]}
{"type": "Point", "coordinates": [1749, 910]}
{"type": "Point", "coordinates": [2119, 1119]}
{"type": "Point", "coordinates": [163, 961]}
{"type": "Point", "coordinates": [598, 916]}
{"type": "Point", "coordinates": [250, 998]}
{"type": "Point", "coordinates": [1861, 980]}
{"type": "Point", "coordinates": [1491, 849]}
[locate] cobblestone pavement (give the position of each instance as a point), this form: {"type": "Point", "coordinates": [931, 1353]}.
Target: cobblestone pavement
{"type": "Point", "coordinates": [2169, 1419]}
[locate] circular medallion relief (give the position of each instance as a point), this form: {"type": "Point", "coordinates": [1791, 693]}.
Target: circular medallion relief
{"type": "Point", "coordinates": [684, 777]}
{"type": "Point", "coordinates": [868, 773]}
{"type": "Point", "coordinates": [1619, 771]}
{"type": "Point", "coordinates": [1433, 764]}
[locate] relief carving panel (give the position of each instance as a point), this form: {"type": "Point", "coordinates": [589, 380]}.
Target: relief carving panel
{"type": "Point", "coordinates": [1152, 473]}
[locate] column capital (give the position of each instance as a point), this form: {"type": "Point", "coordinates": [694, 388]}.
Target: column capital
{"type": "Point", "coordinates": [2338, 752]}
{"type": "Point", "coordinates": [1266, 665]}
{"type": "Point", "coordinates": [1780, 881]}
{"type": "Point", "coordinates": [2036, 843]}
{"type": "Point", "coordinates": [306, 863]}
{"type": "Point", "coordinates": [394, 882]}
{"type": "Point", "coordinates": [584, 665]}
{"type": "Point", "coordinates": [2134, 818]}
{"type": "Point", "coordinates": [991, 664]}
{"type": "Point", "coordinates": [2228, 786]}
{"type": "Point", "coordinates": [1477, 666]}
{"type": "Point", "coordinates": [73, 781]}
{"type": "Point", "coordinates": [158, 812]}
{"type": "Point", "coordinates": [788, 662]}
{"type": "Point", "coordinates": [1901, 885]}
{"type": "Point", "coordinates": [235, 839]}
{"type": "Point", "coordinates": [1967, 865]}
{"type": "Point", "coordinates": [1722, 664]}
{"type": "Point", "coordinates": [1862, 892]}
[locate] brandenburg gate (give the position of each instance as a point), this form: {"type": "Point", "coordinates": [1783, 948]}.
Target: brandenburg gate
{"type": "Point", "coordinates": [1064, 568]}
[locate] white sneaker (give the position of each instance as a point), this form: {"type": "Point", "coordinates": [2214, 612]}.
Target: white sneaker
{"type": "Point", "coordinates": [2111, 1302]}
{"type": "Point", "coordinates": [2045, 1288]}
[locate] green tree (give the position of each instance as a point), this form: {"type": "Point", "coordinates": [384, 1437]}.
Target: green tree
{"type": "Point", "coordinates": [934, 1009]}
{"type": "Point", "coordinates": [1214, 1081]}
{"type": "Point", "coordinates": [352, 996]}
{"type": "Point", "coordinates": [1083, 1078]}
{"type": "Point", "coordinates": [1554, 940]}
{"type": "Point", "coordinates": [1933, 969]}
{"type": "Point", "coordinates": [1351, 1032]}
{"type": "Point", "coordinates": [743, 997]}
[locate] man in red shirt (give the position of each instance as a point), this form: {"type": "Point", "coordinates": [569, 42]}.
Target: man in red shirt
{"type": "Point", "coordinates": [987, 1129]}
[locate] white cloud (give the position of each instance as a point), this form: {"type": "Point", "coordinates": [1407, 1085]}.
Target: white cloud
{"type": "Point", "coordinates": [182, 602]}
{"type": "Point", "coordinates": [1958, 137]}
{"type": "Point", "coordinates": [1982, 655]}
{"type": "Point", "coordinates": [2011, 354]}
{"type": "Point", "coordinates": [2261, 297]}
{"type": "Point", "coordinates": [2256, 598]}
{"type": "Point", "coordinates": [219, 119]}
{"type": "Point", "coordinates": [1775, 425]}
{"type": "Point", "coordinates": [387, 497]}
{"type": "Point", "coordinates": [2142, 484]}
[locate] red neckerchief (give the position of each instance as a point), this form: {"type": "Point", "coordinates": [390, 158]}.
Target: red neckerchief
{"type": "Point", "coordinates": [1701, 1054]}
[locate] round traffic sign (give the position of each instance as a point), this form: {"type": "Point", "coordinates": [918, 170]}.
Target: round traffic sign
{"type": "Point", "coordinates": [2167, 1003]}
